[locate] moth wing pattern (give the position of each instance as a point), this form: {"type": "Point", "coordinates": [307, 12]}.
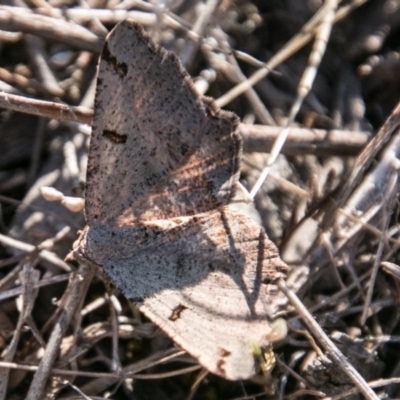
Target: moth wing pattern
{"type": "Point", "coordinates": [206, 280]}
{"type": "Point", "coordinates": [162, 169]}
{"type": "Point", "coordinates": [150, 123]}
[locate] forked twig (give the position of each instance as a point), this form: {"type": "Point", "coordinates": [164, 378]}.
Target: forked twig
{"type": "Point", "coordinates": [327, 344]}
{"type": "Point", "coordinates": [43, 253]}
{"type": "Point", "coordinates": [72, 299]}
{"type": "Point", "coordinates": [305, 84]}
{"type": "Point", "coordinates": [300, 40]}
{"type": "Point", "coordinates": [29, 277]}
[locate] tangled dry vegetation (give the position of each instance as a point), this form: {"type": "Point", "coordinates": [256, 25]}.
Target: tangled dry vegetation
{"type": "Point", "coordinates": [329, 201]}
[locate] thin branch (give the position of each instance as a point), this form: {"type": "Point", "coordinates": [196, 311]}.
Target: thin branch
{"type": "Point", "coordinates": [258, 138]}
{"type": "Point", "coordinates": [20, 19]}
{"type": "Point", "coordinates": [327, 344]}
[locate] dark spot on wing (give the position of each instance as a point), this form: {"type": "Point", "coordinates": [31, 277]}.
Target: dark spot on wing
{"type": "Point", "coordinates": [119, 67]}
{"type": "Point", "coordinates": [106, 55]}
{"type": "Point", "coordinates": [222, 353]}
{"type": "Point", "coordinates": [176, 312]}
{"type": "Point", "coordinates": [114, 136]}
{"type": "Point", "coordinates": [122, 68]}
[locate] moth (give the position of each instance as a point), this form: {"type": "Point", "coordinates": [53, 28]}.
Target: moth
{"type": "Point", "coordinates": [162, 170]}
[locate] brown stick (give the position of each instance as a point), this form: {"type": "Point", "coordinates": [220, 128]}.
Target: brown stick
{"type": "Point", "coordinates": [256, 138]}
{"type": "Point", "coordinates": [46, 109]}
{"type": "Point", "coordinates": [72, 300]}
{"type": "Point", "coordinates": [50, 28]}
{"type": "Point", "coordinates": [259, 138]}
{"type": "Point", "coordinates": [327, 344]}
